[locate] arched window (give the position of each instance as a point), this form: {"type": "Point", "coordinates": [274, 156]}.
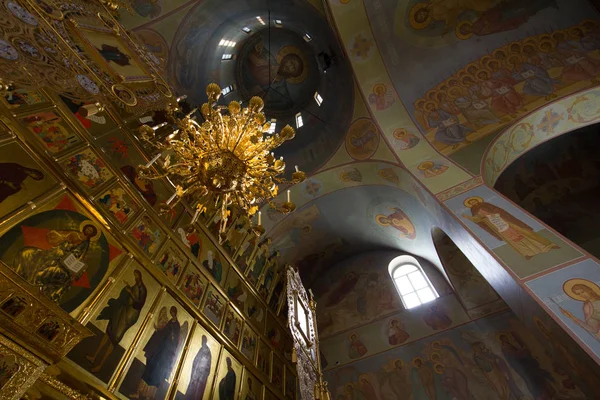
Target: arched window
{"type": "Point", "coordinates": [411, 282]}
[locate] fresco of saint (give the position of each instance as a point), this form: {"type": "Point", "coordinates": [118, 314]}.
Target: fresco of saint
{"type": "Point", "coordinates": [588, 293]}
{"type": "Point", "coordinates": [505, 227]}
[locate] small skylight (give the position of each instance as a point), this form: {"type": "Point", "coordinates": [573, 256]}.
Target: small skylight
{"type": "Point", "coordinates": [307, 37]}
{"type": "Point", "coordinates": [227, 56]}
{"type": "Point", "coordinates": [278, 23]}
{"type": "Point", "coordinates": [272, 126]}
{"type": "Point", "coordinates": [318, 99]}
{"type": "Point", "coordinates": [226, 90]}
{"type": "Point", "coordinates": [299, 121]}
{"type": "Point", "coordinates": [259, 19]}
{"type": "Point", "coordinates": [227, 43]}
{"type": "Point", "coordinates": [246, 29]}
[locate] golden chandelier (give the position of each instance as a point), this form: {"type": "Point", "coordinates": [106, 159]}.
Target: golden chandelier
{"type": "Point", "coordinates": [226, 160]}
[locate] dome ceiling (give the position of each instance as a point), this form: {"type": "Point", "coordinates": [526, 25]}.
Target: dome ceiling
{"type": "Point", "coordinates": [276, 62]}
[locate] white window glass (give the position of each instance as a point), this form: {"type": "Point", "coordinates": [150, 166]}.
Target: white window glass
{"type": "Point", "coordinates": [413, 286]}
{"type": "Point", "coordinates": [411, 300]}
{"type": "Point", "coordinates": [404, 285]}
{"type": "Point", "coordinates": [417, 279]}
{"type": "Point", "coordinates": [299, 122]}
{"type": "Point", "coordinates": [426, 295]}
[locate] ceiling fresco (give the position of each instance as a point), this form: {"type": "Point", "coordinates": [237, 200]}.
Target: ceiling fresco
{"type": "Point", "coordinates": [482, 64]}
{"type": "Point", "coordinates": [273, 62]}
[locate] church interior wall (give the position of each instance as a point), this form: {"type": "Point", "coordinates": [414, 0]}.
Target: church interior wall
{"type": "Point", "coordinates": [164, 301]}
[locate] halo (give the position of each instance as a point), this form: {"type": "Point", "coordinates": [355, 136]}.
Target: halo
{"type": "Point", "coordinates": [294, 50]}
{"type": "Point", "coordinates": [89, 222]}
{"type": "Point", "coordinates": [512, 56]}
{"type": "Point", "coordinates": [544, 41]}
{"type": "Point", "coordinates": [398, 360]}
{"type": "Point", "coordinates": [455, 93]}
{"type": "Point", "coordinates": [124, 94]}
{"type": "Point", "coordinates": [514, 44]}
{"type": "Point", "coordinates": [487, 64]}
{"type": "Point", "coordinates": [435, 104]}
{"type": "Point", "coordinates": [435, 355]}
{"type": "Point", "coordinates": [568, 288]}
{"type": "Point", "coordinates": [352, 334]}
{"type": "Point", "coordinates": [458, 30]}
{"type": "Point", "coordinates": [430, 95]}
{"type": "Point", "coordinates": [498, 51]}
{"type": "Point", "coordinates": [417, 358]}
{"type": "Point", "coordinates": [465, 75]}
{"type": "Point", "coordinates": [425, 165]}
{"type": "Point", "coordinates": [418, 107]}
{"type": "Point", "coordinates": [575, 28]}
{"type": "Point", "coordinates": [438, 368]}
{"type": "Point", "coordinates": [559, 32]}
{"type": "Point", "coordinates": [413, 11]}
{"type": "Point", "coordinates": [398, 132]}
{"type": "Point", "coordinates": [489, 75]}
{"type": "Point", "coordinates": [379, 86]}
{"type": "Point", "coordinates": [380, 220]}
{"type": "Point", "coordinates": [471, 201]}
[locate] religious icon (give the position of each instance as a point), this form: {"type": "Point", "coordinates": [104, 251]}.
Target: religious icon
{"type": "Point", "coordinates": [53, 259]}
{"type": "Point", "coordinates": [96, 124]}
{"type": "Point", "coordinates": [248, 344]}
{"type": "Point", "coordinates": [88, 169]}
{"type": "Point", "coordinates": [122, 313]}
{"type": "Point", "coordinates": [14, 305]}
{"type": "Point", "coordinates": [23, 97]}
{"type": "Point", "coordinates": [233, 325]}
{"type": "Point", "coordinates": [356, 348]}
{"type": "Point", "coordinates": [263, 360]}
{"type": "Point", "coordinates": [49, 330]}
{"type": "Point", "coordinates": [430, 169]}
{"type": "Point", "coordinates": [193, 285]}
{"type": "Point", "coordinates": [119, 204]}
{"type": "Point", "coordinates": [228, 378]}
{"type": "Point", "coordinates": [277, 369]}
{"type": "Point", "coordinates": [290, 384]}
{"type": "Point", "coordinates": [389, 175]}
{"type": "Point", "coordinates": [251, 387]}
{"type": "Point", "coordinates": [382, 98]}
{"type": "Point", "coordinates": [147, 235]}
{"type": "Point", "coordinates": [437, 318]}
{"type": "Point", "coordinates": [505, 227]}
{"type": "Point", "coordinates": [52, 131]}
{"type": "Point", "coordinates": [350, 175]}
{"type": "Point", "coordinates": [161, 353]}
{"type": "Point", "coordinates": [144, 186]}
{"type": "Point", "coordinates": [588, 293]}
{"type": "Point", "coordinates": [15, 177]}
{"type": "Point", "coordinates": [362, 139]}
{"type": "Point", "coordinates": [399, 221]}
{"type": "Point", "coordinates": [171, 261]}
{"type": "Point", "coordinates": [405, 140]}
{"type": "Point", "coordinates": [213, 264]}
{"type": "Point", "coordinates": [8, 368]}
{"type": "Point", "coordinates": [214, 304]}
{"type": "Point", "coordinates": [200, 367]}
{"type": "Point", "coordinates": [396, 333]}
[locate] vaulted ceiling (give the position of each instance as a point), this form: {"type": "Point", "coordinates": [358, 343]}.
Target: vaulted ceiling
{"type": "Point", "coordinates": [384, 69]}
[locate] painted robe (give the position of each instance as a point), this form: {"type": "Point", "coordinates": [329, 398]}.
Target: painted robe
{"type": "Point", "coordinates": [503, 226]}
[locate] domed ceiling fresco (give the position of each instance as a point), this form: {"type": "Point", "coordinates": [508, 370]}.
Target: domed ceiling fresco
{"type": "Point", "coordinates": [274, 62]}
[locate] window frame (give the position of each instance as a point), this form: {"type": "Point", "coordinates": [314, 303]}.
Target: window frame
{"type": "Point", "coordinates": [417, 268]}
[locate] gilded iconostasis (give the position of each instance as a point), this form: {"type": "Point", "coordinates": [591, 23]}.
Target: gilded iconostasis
{"type": "Point", "coordinates": [170, 311]}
